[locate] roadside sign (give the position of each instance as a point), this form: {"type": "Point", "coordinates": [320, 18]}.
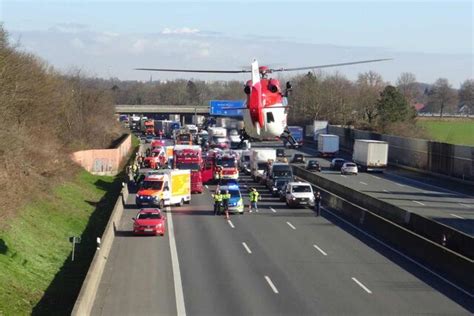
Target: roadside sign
{"type": "Point", "coordinates": [233, 108]}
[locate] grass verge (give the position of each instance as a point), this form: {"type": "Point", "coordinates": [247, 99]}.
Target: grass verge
{"type": "Point", "coordinates": [459, 132]}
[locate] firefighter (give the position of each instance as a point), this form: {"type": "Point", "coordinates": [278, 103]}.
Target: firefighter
{"type": "Point", "coordinates": [217, 201]}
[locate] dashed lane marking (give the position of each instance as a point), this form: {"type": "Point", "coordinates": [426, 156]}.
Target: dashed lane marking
{"type": "Point", "coordinates": [291, 225]}
{"type": "Point", "coordinates": [230, 223]}
{"type": "Point", "coordinates": [457, 216]}
{"type": "Point", "coordinates": [269, 281]}
{"type": "Point", "coordinates": [273, 210]}
{"type": "Point", "coordinates": [465, 205]}
{"type": "Point", "coordinates": [320, 250]}
{"type": "Point", "coordinates": [247, 248]}
{"type": "Point", "coordinates": [361, 285]}
{"type": "Point", "coordinates": [363, 183]}
{"type": "Point", "coordinates": [386, 191]}
{"type": "Point", "coordinates": [376, 177]}
{"type": "Point", "coordinates": [418, 203]}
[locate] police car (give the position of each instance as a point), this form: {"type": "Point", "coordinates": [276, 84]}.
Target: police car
{"type": "Point", "coordinates": [236, 203]}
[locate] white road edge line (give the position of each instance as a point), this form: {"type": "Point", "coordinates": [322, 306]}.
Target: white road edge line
{"type": "Point", "coordinates": [361, 285]}
{"type": "Point", "coordinates": [363, 183]}
{"type": "Point", "coordinates": [291, 225]}
{"type": "Point", "coordinates": [400, 253]}
{"type": "Point", "coordinates": [247, 248]}
{"type": "Point", "coordinates": [269, 281]}
{"type": "Point", "coordinates": [178, 286]}
{"type": "Point", "coordinates": [456, 216]}
{"type": "Point", "coordinates": [418, 202]}
{"type": "Point", "coordinates": [273, 210]}
{"type": "Point", "coordinates": [230, 223]}
{"type": "Point", "coordinates": [320, 250]}
{"type": "Point", "coordinates": [206, 186]}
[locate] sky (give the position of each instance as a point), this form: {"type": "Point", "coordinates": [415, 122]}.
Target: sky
{"type": "Point", "coordinates": [431, 39]}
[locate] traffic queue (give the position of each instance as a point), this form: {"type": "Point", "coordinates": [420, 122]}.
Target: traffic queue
{"type": "Point", "coordinates": [167, 171]}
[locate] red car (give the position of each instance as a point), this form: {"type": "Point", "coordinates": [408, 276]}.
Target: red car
{"type": "Point", "coordinates": [149, 222]}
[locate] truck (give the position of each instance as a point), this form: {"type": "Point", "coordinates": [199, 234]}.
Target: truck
{"type": "Point", "coordinates": [217, 132]}
{"type": "Point", "coordinates": [165, 188]}
{"type": "Point", "coordinates": [328, 145]}
{"type": "Point", "coordinates": [228, 163]}
{"type": "Point", "coordinates": [297, 134]}
{"type": "Point", "coordinates": [159, 127]}
{"type": "Point", "coordinates": [135, 123]}
{"type": "Point", "coordinates": [183, 137]}
{"type": "Point", "coordinates": [190, 157]}
{"type": "Point", "coordinates": [169, 127]}
{"type": "Point", "coordinates": [319, 127]}
{"type": "Point", "coordinates": [370, 155]}
{"type": "Point", "coordinates": [149, 127]}
{"type": "Point", "coordinates": [278, 174]}
{"type": "Point", "coordinates": [259, 159]}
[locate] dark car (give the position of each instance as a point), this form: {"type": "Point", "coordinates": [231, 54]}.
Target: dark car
{"type": "Point", "coordinates": [298, 158]}
{"type": "Point", "coordinates": [313, 165]}
{"type": "Point", "coordinates": [337, 163]}
{"type": "Point", "coordinates": [280, 152]}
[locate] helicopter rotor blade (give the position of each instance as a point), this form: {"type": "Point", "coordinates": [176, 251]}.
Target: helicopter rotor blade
{"type": "Point", "coordinates": [331, 65]}
{"type": "Point", "coordinates": [196, 70]}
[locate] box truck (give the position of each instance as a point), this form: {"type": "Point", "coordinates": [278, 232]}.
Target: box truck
{"type": "Point", "coordinates": [328, 145]}
{"type": "Point", "coordinates": [370, 155]}
{"type": "Point", "coordinates": [259, 159]}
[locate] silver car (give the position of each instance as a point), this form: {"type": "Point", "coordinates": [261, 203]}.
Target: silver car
{"type": "Point", "coordinates": [349, 168]}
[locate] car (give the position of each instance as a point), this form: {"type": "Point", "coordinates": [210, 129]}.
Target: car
{"type": "Point", "coordinates": [297, 158]}
{"type": "Point", "coordinates": [236, 203]}
{"type": "Point", "coordinates": [149, 221]}
{"type": "Point", "coordinates": [336, 163]}
{"type": "Point", "coordinates": [280, 152]}
{"type": "Point", "coordinates": [299, 194]}
{"type": "Point", "coordinates": [148, 138]}
{"type": "Point", "coordinates": [349, 168]}
{"type": "Point", "coordinates": [313, 165]}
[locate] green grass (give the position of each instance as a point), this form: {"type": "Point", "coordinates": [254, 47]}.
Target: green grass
{"type": "Point", "coordinates": [36, 274]}
{"type": "Point", "coordinates": [460, 132]}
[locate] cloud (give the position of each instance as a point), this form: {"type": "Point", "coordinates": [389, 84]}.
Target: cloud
{"type": "Point", "coordinates": [77, 43]}
{"type": "Point", "coordinates": [183, 30]}
{"type": "Point", "coordinates": [68, 28]}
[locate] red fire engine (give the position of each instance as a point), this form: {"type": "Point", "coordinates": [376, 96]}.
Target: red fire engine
{"type": "Point", "coordinates": [189, 157]}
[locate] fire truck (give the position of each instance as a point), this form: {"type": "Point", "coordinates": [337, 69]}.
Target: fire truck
{"type": "Point", "coordinates": [228, 162]}
{"type": "Point", "coordinates": [149, 127]}
{"type": "Point", "coordinates": [189, 157]}
{"type": "Point", "coordinates": [184, 138]}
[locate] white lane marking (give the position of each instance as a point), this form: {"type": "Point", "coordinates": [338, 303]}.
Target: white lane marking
{"type": "Point", "coordinates": [361, 285]}
{"type": "Point", "coordinates": [289, 224]}
{"type": "Point", "coordinates": [376, 177]}
{"type": "Point", "coordinates": [273, 210]}
{"type": "Point", "coordinates": [419, 203]}
{"type": "Point", "coordinates": [363, 183]}
{"type": "Point", "coordinates": [247, 248]}
{"type": "Point", "coordinates": [230, 223]}
{"type": "Point", "coordinates": [206, 186]}
{"type": "Point", "coordinates": [456, 216]}
{"type": "Point", "coordinates": [400, 185]}
{"type": "Point", "coordinates": [465, 205]}
{"type": "Point", "coordinates": [269, 281]}
{"type": "Point", "coordinates": [343, 176]}
{"type": "Point", "coordinates": [399, 253]}
{"type": "Point", "coordinates": [387, 191]}
{"type": "Point", "coordinates": [320, 250]}
{"type": "Point", "coordinates": [178, 287]}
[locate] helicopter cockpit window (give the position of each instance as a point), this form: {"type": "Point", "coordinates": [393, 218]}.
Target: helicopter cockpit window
{"type": "Point", "coordinates": [270, 117]}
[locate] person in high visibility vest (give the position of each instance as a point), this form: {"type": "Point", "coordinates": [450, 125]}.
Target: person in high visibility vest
{"type": "Point", "coordinates": [217, 201]}
{"type": "Point", "coordinates": [254, 196]}
{"type": "Point", "coordinates": [225, 202]}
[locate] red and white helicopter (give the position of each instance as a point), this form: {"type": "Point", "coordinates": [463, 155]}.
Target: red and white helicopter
{"type": "Point", "coordinates": [265, 111]}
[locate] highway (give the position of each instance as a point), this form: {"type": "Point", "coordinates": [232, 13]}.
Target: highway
{"type": "Point", "coordinates": [447, 202]}
{"type": "Point", "coordinates": [278, 261]}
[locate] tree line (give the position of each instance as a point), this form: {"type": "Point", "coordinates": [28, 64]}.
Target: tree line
{"type": "Point", "coordinates": [45, 115]}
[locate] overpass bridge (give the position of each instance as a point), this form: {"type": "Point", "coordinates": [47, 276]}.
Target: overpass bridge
{"type": "Point", "coordinates": [161, 109]}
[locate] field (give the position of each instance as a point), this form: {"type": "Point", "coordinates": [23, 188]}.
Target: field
{"type": "Point", "coordinates": [453, 131]}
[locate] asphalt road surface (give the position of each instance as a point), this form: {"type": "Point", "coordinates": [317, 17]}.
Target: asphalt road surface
{"type": "Point", "coordinates": [278, 261]}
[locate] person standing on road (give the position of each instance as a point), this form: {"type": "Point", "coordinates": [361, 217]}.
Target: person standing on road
{"type": "Point", "coordinates": [254, 196]}
{"type": "Point", "coordinates": [317, 203]}
{"type": "Point", "coordinates": [225, 202]}
{"type": "Point", "coordinates": [217, 201]}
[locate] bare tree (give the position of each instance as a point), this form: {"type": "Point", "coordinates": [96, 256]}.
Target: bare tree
{"type": "Point", "coordinates": [442, 97]}
{"type": "Point", "coordinates": [369, 86]}
{"type": "Point", "coordinates": [408, 87]}
{"type": "Point", "coordinates": [466, 95]}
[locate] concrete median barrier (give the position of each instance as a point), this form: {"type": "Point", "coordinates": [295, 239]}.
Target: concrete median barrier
{"type": "Point", "coordinates": [443, 261]}
{"type": "Point", "coordinates": [85, 300]}
{"type": "Point", "coordinates": [435, 231]}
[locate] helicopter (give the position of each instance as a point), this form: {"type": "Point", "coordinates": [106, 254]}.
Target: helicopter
{"type": "Point", "coordinates": [265, 110]}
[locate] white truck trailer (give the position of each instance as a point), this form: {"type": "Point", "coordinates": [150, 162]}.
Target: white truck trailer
{"type": "Point", "coordinates": [370, 155]}
{"type": "Point", "coordinates": [259, 160]}
{"type": "Point", "coordinates": [328, 145]}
